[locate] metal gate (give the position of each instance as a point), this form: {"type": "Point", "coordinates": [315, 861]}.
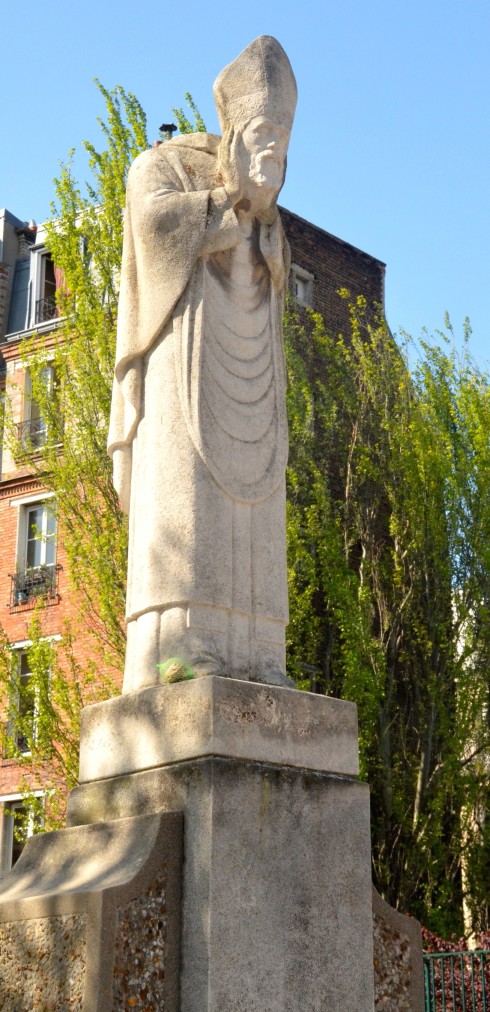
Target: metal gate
{"type": "Point", "coordinates": [457, 981]}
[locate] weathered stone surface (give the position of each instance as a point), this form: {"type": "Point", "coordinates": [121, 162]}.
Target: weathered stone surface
{"type": "Point", "coordinates": [398, 964]}
{"type": "Point", "coordinates": [43, 964]}
{"type": "Point", "coordinates": [140, 970]}
{"type": "Point", "coordinates": [67, 917]}
{"type": "Point", "coordinates": [218, 716]}
{"type": "Point", "coordinates": [277, 871]}
{"type": "Point", "coordinates": [276, 884]}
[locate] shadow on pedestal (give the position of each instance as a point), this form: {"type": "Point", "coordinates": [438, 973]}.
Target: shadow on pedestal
{"type": "Point", "coordinates": [276, 906]}
{"type": "Point", "coordinates": [90, 918]}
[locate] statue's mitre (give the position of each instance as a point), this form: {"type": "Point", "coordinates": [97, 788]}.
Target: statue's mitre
{"type": "Point", "coordinates": [260, 82]}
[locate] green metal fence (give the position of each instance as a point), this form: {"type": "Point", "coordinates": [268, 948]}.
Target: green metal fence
{"type": "Point", "coordinates": [457, 981]}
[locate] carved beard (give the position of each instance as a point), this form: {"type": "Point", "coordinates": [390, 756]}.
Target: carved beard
{"type": "Point", "coordinates": [262, 161]}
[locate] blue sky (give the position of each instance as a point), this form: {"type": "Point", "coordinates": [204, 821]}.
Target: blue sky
{"type": "Point", "coordinates": [390, 147]}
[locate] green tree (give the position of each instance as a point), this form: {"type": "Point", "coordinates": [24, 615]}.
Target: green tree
{"type": "Point", "coordinates": [388, 528]}
{"type": "Point", "coordinates": [85, 237]}
{"type": "Point", "coordinates": [43, 730]}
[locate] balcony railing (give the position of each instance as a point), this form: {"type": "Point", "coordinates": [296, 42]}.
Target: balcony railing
{"type": "Point", "coordinates": [46, 309]}
{"type": "Point", "coordinates": [32, 434]}
{"type": "Point", "coordinates": [29, 584]}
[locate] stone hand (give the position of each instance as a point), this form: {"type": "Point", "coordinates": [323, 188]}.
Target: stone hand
{"type": "Point", "coordinates": [228, 165]}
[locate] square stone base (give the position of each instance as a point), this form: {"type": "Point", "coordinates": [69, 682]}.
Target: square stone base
{"type": "Point", "coordinates": [277, 881]}
{"type": "Point", "coordinates": [217, 716]}
{"type": "Point", "coordinates": [276, 909]}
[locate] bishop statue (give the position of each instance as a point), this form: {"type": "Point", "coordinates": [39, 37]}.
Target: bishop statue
{"type": "Point", "coordinates": [198, 430]}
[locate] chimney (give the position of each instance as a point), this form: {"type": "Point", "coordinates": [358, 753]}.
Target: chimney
{"type": "Point", "coordinates": [26, 236]}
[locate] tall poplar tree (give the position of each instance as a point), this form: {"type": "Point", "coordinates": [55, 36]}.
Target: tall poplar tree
{"type": "Point", "coordinates": [389, 525]}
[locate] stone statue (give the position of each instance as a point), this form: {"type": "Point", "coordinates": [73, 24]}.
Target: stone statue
{"type": "Point", "coordinates": [198, 430]}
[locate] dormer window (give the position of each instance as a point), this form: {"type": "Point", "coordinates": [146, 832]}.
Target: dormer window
{"type": "Point", "coordinates": [33, 300]}
{"type": "Point", "coordinates": [46, 308]}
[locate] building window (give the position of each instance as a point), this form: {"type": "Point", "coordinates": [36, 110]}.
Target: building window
{"type": "Point", "coordinates": [23, 708]}
{"type": "Point", "coordinates": [18, 318]}
{"type": "Point", "coordinates": [36, 574]}
{"type": "Point", "coordinates": [34, 287]}
{"type": "Point", "coordinates": [33, 430]}
{"type": "Point", "coordinates": [29, 692]}
{"type": "Point", "coordinates": [40, 544]}
{"type": "Point", "coordinates": [302, 285]}
{"type": "Point", "coordinates": [45, 308]}
{"type": "Point", "coordinates": [18, 821]}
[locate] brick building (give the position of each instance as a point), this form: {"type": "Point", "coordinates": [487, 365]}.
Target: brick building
{"type": "Point", "coordinates": [31, 555]}
{"type": "Point", "coordinates": [321, 264]}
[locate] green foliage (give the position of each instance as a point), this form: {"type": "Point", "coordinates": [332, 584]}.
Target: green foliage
{"type": "Point", "coordinates": [330, 645]}
{"type": "Point", "coordinates": [43, 731]}
{"type": "Point", "coordinates": [85, 239]}
{"type": "Point", "coordinates": [183, 122]}
{"type": "Point", "coordinates": [389, 513]}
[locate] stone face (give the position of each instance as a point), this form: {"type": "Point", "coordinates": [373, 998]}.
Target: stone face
{"type": "Point", "coordinates": [218, 716]}
{"type": "Point", "coordinates": [276, 886]}
{"type": "Point", "coordinates": [198, 428]}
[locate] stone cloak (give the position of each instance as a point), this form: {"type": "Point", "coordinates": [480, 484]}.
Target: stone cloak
{"type": "Point", "coordinates": [176, 212]}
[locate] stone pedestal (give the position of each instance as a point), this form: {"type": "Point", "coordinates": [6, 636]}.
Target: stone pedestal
{"type": "Point", "coordinates": [276, 883]}
{"type": "Point", "coordinates": [90, 918]}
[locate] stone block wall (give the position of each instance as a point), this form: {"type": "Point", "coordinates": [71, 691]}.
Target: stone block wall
{"type": "Point", "coordinates": [43, 961]}
{"type": "Point", "coordinates": [52, 954]}
{"type": "Point", "coordinates": [131, 942]}
{"type": "Point", "coordinates": [398, 963]}
{"type": "Point", "coordinates": [90, 919]}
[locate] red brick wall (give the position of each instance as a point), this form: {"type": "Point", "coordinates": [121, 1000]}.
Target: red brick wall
{"type": "Point", "coordinates": [335, 264]}
{"type": "Point", "coordinates": [16, 621]}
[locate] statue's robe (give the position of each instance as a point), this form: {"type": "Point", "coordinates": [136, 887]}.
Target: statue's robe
{"type": "Point", "coordinates": [198, 425]}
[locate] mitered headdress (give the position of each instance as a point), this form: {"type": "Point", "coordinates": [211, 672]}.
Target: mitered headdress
{"type": "Point", "coordinates": [260, 82]}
